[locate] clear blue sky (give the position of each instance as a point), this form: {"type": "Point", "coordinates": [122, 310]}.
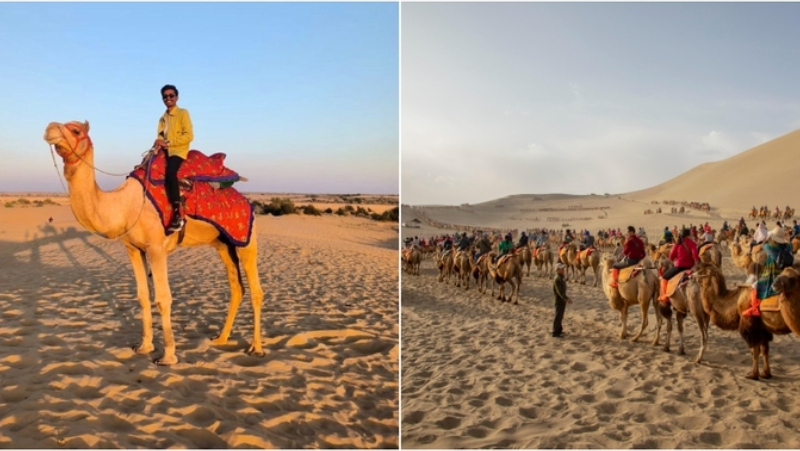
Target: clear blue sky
{"type": "Point", "coordinates": [512, 98]}
{"type": "Point", "coordinates": [302, 97]}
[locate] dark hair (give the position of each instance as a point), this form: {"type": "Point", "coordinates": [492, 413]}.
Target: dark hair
{"type": "Point", "coordinates": [169, 87]}
{"type": "Point", "coordinates": [632, 229]}
{"type": "Point", "coordinates": [684, 234]}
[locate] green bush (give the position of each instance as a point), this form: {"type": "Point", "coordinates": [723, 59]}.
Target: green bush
{"type": "Point", "coordinates": [329, 210]}
{"type": "Point", "coordinates": [388, 215]}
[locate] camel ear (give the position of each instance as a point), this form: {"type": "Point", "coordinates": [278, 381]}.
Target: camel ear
{"type": "Point", "coordinates": [86, 126]}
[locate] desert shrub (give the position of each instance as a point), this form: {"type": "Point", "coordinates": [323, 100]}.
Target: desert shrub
{"type": "Point", "coordinates": [349, 208]}
{"type": "Point", "coordinates": [388, 215]}
{"type": "Point", "coordinates": [311, 210]}
{"type": "Point", "coordinates": [23, 201]}
{"type": "Point", "coordinates": [342, 212]}
{"type": "Point", "coordinates": [9, 204]}
{"type": "Point", "coordinates": [329, 210]}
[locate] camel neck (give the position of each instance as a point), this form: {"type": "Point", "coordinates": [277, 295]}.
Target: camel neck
{"type": "Point", "coordinates": [92, 206]}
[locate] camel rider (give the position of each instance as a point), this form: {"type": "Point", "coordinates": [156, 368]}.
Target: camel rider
{"type": "Point", "coordinates": [707, 238]}
{"type": "Point", "coordinates": [762, 289]}
{"type": "Point", "coordinates": [795, 229]}
{"type": "Point", "coordinates": [174, 135]}
{"type": "Point", "coordinates": [587, 242]}
{"type": "Point", "coordinates": [759, 237]}
{"type": "Point", "coordinates": [743, 230]}
{"type": "Point", "coordinates": [523, 240]}
{"type": "Point", "coordinates": [667, 236]}
{"type": "Point", "coordinates": [633, 252]}
{"type": "Point", "coordinates": [447, 246]}
{"type": "Point", "coordinates": [464, 242]}
{"type": "Point", "coordinates": [725, 226]}
{"type": "Point", "coordinates": [505, 246]}
{"type": "Point", "coordinates": [541, 239]}
{"type": "Point", "coordinates": [484, 246]}
{"type": "Point", "coordinates": [641, 233]}
{"type": "Point", "coordinates": [684, 256]}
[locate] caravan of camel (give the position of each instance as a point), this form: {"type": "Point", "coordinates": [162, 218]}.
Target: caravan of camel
{"type": "Point", "coordinates": [701, 292]}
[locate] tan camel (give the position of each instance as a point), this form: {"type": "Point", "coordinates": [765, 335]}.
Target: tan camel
{"type": "Point", "coordinates": [543, 259]}
{"type": "Point", "coordinates": [462, 265]}
{"type": "Point", "coordinates": [125, 215]}
{"type": "Point", "coordinates": [583, 262]}
{"type": "Point", "coordinates": [480, 270]}
{"type": "Point", "coordinates": [413, 260]}
{"type": "Point", "coordinates": [444, 261]}
{"type": "Point", "coordinates": [566, 255]}
{"type": "Point", "coordinates": [742, 260]}
{"type": "Point", "coordinates": [525, 258]}
{"type": "Point", "coordinates": [712, 254]}
{"type": "Point", "coordinates": [640, 289]}
{"type": "Point", "coordinates": [507, 271]}
{"type": "Point", "coordinates": [725, 307]}
{"type": "Point", "coordinates": [683, 301]}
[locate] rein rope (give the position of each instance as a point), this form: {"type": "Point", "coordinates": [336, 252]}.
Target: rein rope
{"type": "Point", "coordinates": [145, 156]}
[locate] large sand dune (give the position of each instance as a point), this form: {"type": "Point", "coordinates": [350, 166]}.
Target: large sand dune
{"type": "Point", "coordinates": [70, 315]}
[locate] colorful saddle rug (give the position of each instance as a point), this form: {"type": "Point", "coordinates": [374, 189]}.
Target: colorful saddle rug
{"type": "Point", "coordinates": [584, 253]}
{"type": "Point", "coordinates": [225, 208]}
{"type": "Point", "coordinates": [677, 281]}
{"type": "Point", "coordinates": [628, 273]}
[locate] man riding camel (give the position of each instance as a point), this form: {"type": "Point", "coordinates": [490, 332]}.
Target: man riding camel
{"type": "Point", "coordinates": [633, 252]}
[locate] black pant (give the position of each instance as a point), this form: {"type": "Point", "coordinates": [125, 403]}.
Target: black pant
{"type": "Point", "coordinates": [173, 192]}
{"type": "Point", "coordinates": [627, 262]}
{"type": "Point", "coordinates": [561, 306]}
{"type": "Point", "coordinates": [672, 272]}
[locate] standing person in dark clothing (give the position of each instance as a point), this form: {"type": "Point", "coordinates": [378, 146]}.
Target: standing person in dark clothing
{"type": "Point", "coordinates": [560, 291]}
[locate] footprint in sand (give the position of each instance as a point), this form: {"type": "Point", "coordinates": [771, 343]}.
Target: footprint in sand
{"type": "Point", "coordinates": [449, 423]}
{"type": "Point", "coordinates": [415, 417]}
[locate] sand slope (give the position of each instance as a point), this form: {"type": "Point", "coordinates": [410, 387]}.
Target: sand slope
{"type": "Point", "coordinates": [70, 315]}
{"type": "Point", "coordinates": [477, 373]}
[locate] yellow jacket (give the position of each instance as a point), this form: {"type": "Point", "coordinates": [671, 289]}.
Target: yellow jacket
{"type": "Point", "coordinates": [179, 131]}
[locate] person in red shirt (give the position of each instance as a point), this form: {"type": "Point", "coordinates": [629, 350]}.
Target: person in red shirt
{"type": "Point", "coordinates": [633, 252]}
{"type": "Point", "coordinates": [683, 256]}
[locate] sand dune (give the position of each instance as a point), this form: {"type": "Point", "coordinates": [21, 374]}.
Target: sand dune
{"type": "Point", "coordinates": [70, 315]}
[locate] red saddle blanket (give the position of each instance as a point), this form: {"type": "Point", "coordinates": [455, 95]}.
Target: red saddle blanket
{"type": "Point", "coordinates": [225, 208]}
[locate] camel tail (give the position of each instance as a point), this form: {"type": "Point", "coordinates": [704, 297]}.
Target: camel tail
{"type": "Point", "coordinates": [235, 258]}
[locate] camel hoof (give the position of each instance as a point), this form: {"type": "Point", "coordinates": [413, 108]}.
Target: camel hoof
{"type": "Point", "coordinates": [681, 351]}
{"type": "Point", "coordinates": [665, 349]}
{"type": "Point", "coordinates": [256, 352]}
{"type": "Point", "coordinates": [218, 341]}
{"type": "Point", "coordinates": [165, 361]}
{"type": "Point", "coordinates": [142, 349]}
{"type": "Point", "coordinates": [752, 377]}
{"type": "Point", "coordinates": [766, 375]}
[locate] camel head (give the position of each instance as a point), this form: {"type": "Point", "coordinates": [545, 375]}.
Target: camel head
{"type": "Point", "coordinates": [787, 282]}
{"type": "Point", "coordinates": [71, 140]}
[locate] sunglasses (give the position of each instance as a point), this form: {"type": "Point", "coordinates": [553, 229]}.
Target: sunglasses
{"type": "Point", "coordinates": [168, 96]}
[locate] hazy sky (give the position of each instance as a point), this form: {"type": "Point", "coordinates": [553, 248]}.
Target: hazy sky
{"type": "Point", "coordinates": [511, 98]}
{"type": "Point", "coordinates": [303, 97]}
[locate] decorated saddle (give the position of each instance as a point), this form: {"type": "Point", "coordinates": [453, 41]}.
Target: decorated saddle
{"type": "Point", "coordinates": [704, 247]}
{"type": "Point", "coordinates": [503, 259]}
{"type": "Point", "coordinates": [584, 253]}
{"type": "Point", "coordinates": [220, 204]}
{"type": "Point", "coordinates": [770, 304]}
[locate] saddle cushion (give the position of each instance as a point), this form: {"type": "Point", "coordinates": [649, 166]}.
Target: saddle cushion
{"type": "Point", "coordinates": [585, 253]}
{"type": "Point", "coordinates": [226, 208]}
{"type": "Point", "coordinates": [770, 304]}
{"type": "Point", "coordinates": [481, 258]}
{"type": "Point", "coordinates": [503, 259]}
{"type": "Point", "coordinates": [704, 248]}
{"type": "Point", "coordinates": [678, 280]}
{"type": "Point", "coordinates": [628, 273]}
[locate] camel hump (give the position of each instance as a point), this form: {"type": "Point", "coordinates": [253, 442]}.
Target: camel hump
{"type": "Point", "coordinates": [630, 272]}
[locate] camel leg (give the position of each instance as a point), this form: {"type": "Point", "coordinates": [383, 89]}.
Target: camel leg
{"type": "Point", "coordinates": [143, 293]}
{"type": "Point", "coordinates": [659, 321]}
{"type": "Point", "coordinates": [767, 373]}
{"type": "Point", "coordinates": [158, 262]}
{"type": "Point", "coordinates": [680, 318]}
{"type": "Point", "coordinates": [249, 261]}
{"type": "Point", "coordinates": [645, 306]}
{"type": "Point", "coordinates": [668, 318]}
{"type": "Point", "coordinates": [596, 276]}
{"type": "Point", "coordinates": [702, 323]}
{"type": "Point", "coordinates": [754, 374]}
{"type": "Point", "coordinates": [237, 291]}
{"type": "Point", "coordinates": [623, 318]}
